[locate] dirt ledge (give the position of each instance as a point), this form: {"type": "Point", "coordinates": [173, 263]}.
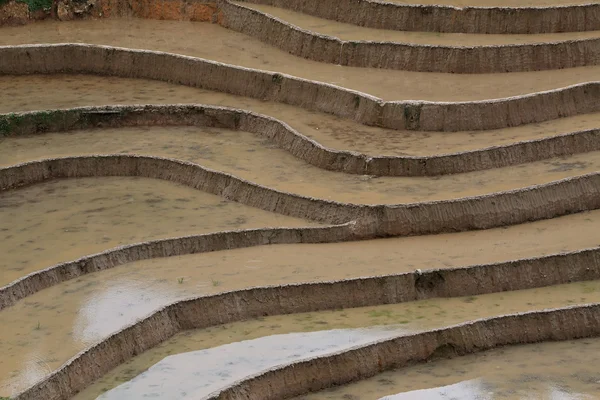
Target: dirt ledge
{"type": "Point", "coordinates": [406, 56]}
{"type": "Point", "coordinates": [294, 142]}
{"type": "Point", "coordinates": [360, 107]}
{"type": "Point", "coordinates": [339, 368]}
{"type": "Point", "coordinates": [550, 200]}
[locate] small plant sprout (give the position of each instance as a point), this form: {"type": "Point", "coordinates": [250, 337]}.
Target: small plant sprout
{"type": "Point", "coordinates": [215, 282]}
{"type": "Point", "coordinates": [180, 280]}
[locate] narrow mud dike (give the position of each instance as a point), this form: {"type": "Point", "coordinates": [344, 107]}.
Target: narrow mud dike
{"type": "Point", "coordinates": [449, 282]}
{"type": "Point", "coordinates": [557, 198]}
{"type": "Point", "coordinates": [311, 95]}
{"type": "Point", "coordinates": [228, 240]}
{"type": "Point", "coordinates": [287, 381]}
{"type": "Point", "coordinates": [439, 18]}
{"type": "Point", "coordinates": [405, 56]}
{"type": "Point", "coordinates": [366, 361]}
{"type": "Point", "coordinates": [300, 146]}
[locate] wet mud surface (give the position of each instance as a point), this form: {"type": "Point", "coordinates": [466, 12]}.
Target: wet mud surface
{"type": "Point", "coordinates": [214, 42]}
{"type": "Point", "coordinates": [554, 370]}
{"type": "Point", "coordinates": [237, 350]}
{"type": "Point", "coordinates": [258, 160]}
{"type": "Point", "coordinates": [349, 32]}
{"type": "Point", "coordinates": [37, 92]}
{"type": "Point", "coordinates": [52, 330]}
{"type": "Point", "coordinates": [63, 220]}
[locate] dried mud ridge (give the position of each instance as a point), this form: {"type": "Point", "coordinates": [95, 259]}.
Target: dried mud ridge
{"type": "Point", "coordinates": [407, 56]}
{"type": "Point", "coordinates": [334, 369]}
{"type": "Point", "coordinates": [300, 146]}
{"type": "Point", "coordinates": [360, 107]}
{"type": "Point", "coordinates": [381, 14]}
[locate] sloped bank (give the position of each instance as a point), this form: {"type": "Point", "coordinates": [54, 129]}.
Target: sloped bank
{"type": "Point", "coordinates": [550, 200]}
{"type": "Point", "coordinates": [287, 381]}
{"type": "Point", "coordinates": [294, 142]}
{"type": "Point", "coordinates": [405, 56]}
{"type": "Point", "coordinates": [365, 361]}
{"type": "Point", "coordinates": [228, 240]}
{"type": "Point", "coordinates": [345, 103]}
{"type": "Point", "coordinates": [380, 14]}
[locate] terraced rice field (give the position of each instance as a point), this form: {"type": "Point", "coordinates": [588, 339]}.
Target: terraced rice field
{"type": "Point", "coordinates": [302, 200]}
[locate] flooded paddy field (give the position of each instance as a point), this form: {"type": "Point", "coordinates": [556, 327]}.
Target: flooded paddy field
{"type": "Point", "coordinates": [63, 220]}
{"type": "Point", "coordinates": [233, 351]}
{"type": "Point", "coordinates": [258, 160]}
{"type": "Point", "coordinates": [554, 370]}
{"type": "Point", "coordinates": [49, 327]}
{"type": "Point", "coordinates": [214, 42]}
{"type": "Point", "coordinates": [79, 312]}
{"type": "Point", "coordinates": [39, 92]}
{"type": "Point", "coordinates": [354, 32]}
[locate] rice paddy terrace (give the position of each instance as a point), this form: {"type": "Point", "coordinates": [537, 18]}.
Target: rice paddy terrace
{"type": "Point", "coordinates": [301, 199]}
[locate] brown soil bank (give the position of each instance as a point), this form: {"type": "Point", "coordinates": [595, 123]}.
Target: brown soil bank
{"type": "Point", "coordinates": [366, 361]}
{"type": "Point", "coordinates": [287, 381]}
{"type": "Point", "coordinates": [409, 57]}
{"type": "Point", "coordinates": [427, 116]}
{"type": "Point", "coordinates": [533, 18]}
{"type": "Point", "coordinates": [44, 92]}
{"type": "Point", "coordinates": [18, 13]}
{"type": "Point", "coordinates": [498, 209]}
{"type": "Point", "coordinates": [294, 142]}
{"type": "Point", "coordinates": [495, 19]}
{"type": "Point", "coordinates": [489, 251]}
{"type": "Point", "coordinates": [230, 47]}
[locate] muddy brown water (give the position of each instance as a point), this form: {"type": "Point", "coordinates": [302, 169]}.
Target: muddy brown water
{"type": "Point", "coordinates": [245, 348]}
{"type": "Point", "coordinates": [555, 370]}
{"type": "Point", "coordinates": [27, 93]}
{"type": "Point", "coordinates": [47, 328]}
{"type": "Point", "coordinates": [214, 42]}
{"type": "Point", "coordinates": [63, 220]}
{"type": "Point", "coordinates": [353, 32]}
{"type": "Point", "coordinates": [258, 160]}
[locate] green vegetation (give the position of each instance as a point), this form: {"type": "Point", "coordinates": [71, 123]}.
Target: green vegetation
{"type": "Point", "coordinates": [277, 79]}
{"type": "Point", "coordinates": [10, 122]}
{"type": "Point", "coordinates": [215, 282]}
{"type": "Point", "coordinates": [33, 5]}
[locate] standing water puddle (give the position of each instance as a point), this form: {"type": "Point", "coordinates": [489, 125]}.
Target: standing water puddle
{"type": "Point", "coordinates": [196, 374]}
{"type": "Point", "coordinates": [220, 44]}
{"type": "Point", "coordinates": [258, 160]}
{"type": "Point", "coordinates": [554, 370]}
{"type": "Point", "coordinates": [384, 321]}
{"type": "Point", "coordinates": [46, 329]}
{"type": "Point", "coordinates": [37, 92]}
{"type": "Point", "coordinates": [63, 220]}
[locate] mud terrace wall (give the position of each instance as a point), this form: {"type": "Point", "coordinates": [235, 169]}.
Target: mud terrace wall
{"type": "Point", "coordinates": [366, 361]}
{"type": "Point", "coordinates": [202, 312]}
{"type": "Point", "coordinates": [369, 110]}
{"type": "Point", "coordinates": [410, 57]}
{"type": "Point", "coordinates": [294, 142]}
{"type": "Point", "coordinates": [439, 18]}
{"type": "Point", "coordinates": [228, 240]}
{"type": "Point", "coordinates": [557, 198]}
{"type": "Point", "coordinates": [179, 10]}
